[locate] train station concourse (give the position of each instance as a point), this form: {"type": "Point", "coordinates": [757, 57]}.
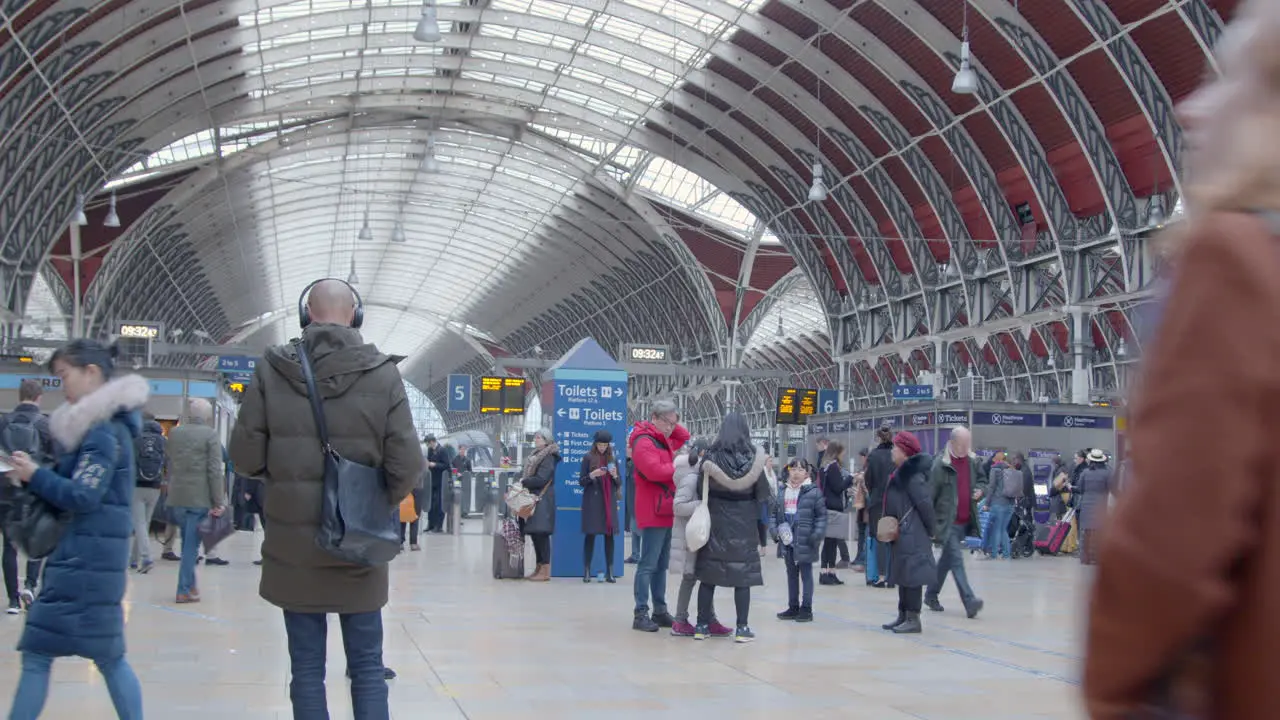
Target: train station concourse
{"type": "Point", "coordinates": [282, 278]}
{"type": "Point", "coordinates": [466, 646]}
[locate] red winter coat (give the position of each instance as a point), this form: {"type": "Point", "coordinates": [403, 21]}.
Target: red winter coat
{"type": "Point", "coordinates": [653, 455]}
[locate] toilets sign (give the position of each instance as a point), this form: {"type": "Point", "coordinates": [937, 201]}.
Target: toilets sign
{"type": "Point", "coordinates": [582, 408]}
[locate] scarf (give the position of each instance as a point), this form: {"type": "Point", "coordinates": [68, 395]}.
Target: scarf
{"type": "Point", "coordinates": [606, 487]}
{"type": "Point", "coordinates": [531, 465]}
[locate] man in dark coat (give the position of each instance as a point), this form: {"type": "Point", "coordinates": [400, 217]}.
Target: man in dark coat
{"type": "Point", "coordinates": [437, 464]}
{"type": "Point", "coordinates": [956, 483]}
{"type": "Point", "coordinates": [370, 423]}
{"type": "Point", "coordinates": [27, 426]}
{"type": "Point", "coordinates": [879, 467]}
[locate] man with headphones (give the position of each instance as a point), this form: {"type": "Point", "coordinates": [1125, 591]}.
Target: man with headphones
{"type": "Point", "coordinates": [276, 439]}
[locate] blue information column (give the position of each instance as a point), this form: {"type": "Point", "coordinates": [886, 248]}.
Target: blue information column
{"type": "Point", "coordinates": [589, 393]}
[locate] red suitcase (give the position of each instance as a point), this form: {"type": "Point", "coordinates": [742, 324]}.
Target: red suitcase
{"type": "Point", "coordinates": [1049, 538]}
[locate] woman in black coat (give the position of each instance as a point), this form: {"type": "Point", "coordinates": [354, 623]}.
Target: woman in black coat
{"type": "Point", "coordinates": [734, 469]}
{"type": "Point", "coordinates": [539, 478]}
{"type": "Point", "coordinates": [834, 483]}
{"type": "Point", "coordinates": [908, 498]}
{"type": "Point", "coordinates": [601, 484]}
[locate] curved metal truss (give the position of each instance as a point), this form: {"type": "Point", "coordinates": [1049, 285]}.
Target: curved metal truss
{"type": "Point", "coordinates": [541, 113]}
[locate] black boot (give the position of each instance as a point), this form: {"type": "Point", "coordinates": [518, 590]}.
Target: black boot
{"type": "Point", "coordinates": [608, 576]}
{"type": "Point", "coordinates": [790, 613]}
{"type": "Point", "coordinates": [933, 604]}
{"type": "Point", "coordinates": [663, 619]}
{"type": "Point", "coordinates": [643, 623]}
{"type": "Point", "coordinates": [586, 574]}
{"type": "Point", "coordinates": [910, 626]}
{"type": "Point", "coordinates": [972, 609]}
{"type": "Point", "coordinates": [805, 615]}
{"type": "Point", "coordinates": [902, 617]}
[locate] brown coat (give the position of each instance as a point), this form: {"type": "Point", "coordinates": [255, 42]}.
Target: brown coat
{"type": "Point", "coordinates": [275, 438]}
{"type": "Point", "coordinates": [1191, 556]}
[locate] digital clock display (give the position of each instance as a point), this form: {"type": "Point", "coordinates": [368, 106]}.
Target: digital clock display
{"type": "Point", "coordinates": [142, 331]}
{"type": "Point", "coordinates": [648, 354]}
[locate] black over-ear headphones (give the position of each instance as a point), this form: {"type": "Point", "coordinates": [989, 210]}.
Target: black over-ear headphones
{"type": "Point", "coordinates": [304, 314]}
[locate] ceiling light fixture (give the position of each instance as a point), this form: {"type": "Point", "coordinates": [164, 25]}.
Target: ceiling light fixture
{"type": "Point", "coordinates": [397, 233]}
{"type": "Point", "coordinates": [428, 30]}
{"type": "Point", "coordinates": [818, 191]}
{"type": "Point", "coordinates": [365, 232]}
{"type": "Point", "coordinates": [352, 278]}
{"type": "Point", "coordinates": [81, 218]}
{"type": "Point", "coordinates": [1155, 212]}
{"type": "Point", "coordinates": [113, 219]}
{"type": "Point", "coordinates": [781, 333]}
{"type": "Point", "coordinates": [966, 81]}
{"type": "Point", "coordinates": [429, 162]}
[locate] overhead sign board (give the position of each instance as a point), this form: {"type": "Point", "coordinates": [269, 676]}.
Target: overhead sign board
{"type": "Point", "coordinates": [952, 417]}
{"type": "Point", "coordinates": [828, 401]}
{"type": "Point", "coordinates": [838, 426]}
{"type": "Point", "coordinates": [641, 353]}
{"type": "Point", "coordinates": [459, 389]}
{"type": "Point", "coordinates": [918, 419]}
{"type": "Point", "coordinates": [1080, 422]}
{"type": "Point", "coordinates": [912, 392]}
{"type": "Point", "coordinates": [236, 363]}
{"type": "Point", "coordinates": [1008, 419]}
{"type": "Point", "coordinates": [862, 424]}
{"type": "Point", "coordinates": [808, 405]}
{"type": "Point", "coordinates": [892, 421]}
{"type": "Point", "coordinates": [513, 395]}
{"type": "Point", "coordinates": [491, 395]}
{"type": "Point", "coordinates": [817, 428]}
{"type": "Point", "coordinates": [785, 412]}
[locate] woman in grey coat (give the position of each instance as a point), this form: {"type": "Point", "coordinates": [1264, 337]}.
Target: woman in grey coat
{"type": "Point", "coordinates": [1096, 486]}
{"type": "Point", "coordinates": [539, 478]}
{"type": "Point", "coordinates": [688, 472]}
{"type": "Point", "coordinates": [907, 498]}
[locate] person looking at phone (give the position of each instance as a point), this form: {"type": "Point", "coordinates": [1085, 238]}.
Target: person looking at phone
{"type": "Point", "coordinates": [197, 486]}
{"type": "Point", "coordinates": [25, 429]}
{"type": "Point", "coordinates": [601, 484]}
{"type": "Point", "coordinates": [78, 611]}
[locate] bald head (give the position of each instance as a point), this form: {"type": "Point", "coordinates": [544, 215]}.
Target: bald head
{"type": "Point", "coordinates": [961, 441]}
{"type": "Point", "coordinates": [332, 302]}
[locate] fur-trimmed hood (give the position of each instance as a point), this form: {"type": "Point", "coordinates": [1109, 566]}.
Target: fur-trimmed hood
{"type": "Point", "coordinates": [917, 464]}
{"type": "Point", "coordinates": [738, 484]}
{"type": "Point", "coordinates": [122, 395]}
{"type": "Point", "coordinates": [946, 457]}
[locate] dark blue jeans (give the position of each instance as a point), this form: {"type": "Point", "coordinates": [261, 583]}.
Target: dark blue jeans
{"type": "Point", "coordinates": [189, 521]}
{"type": "Point", "coordinates": [362, 639]}
{"type": "Point", "coordinates": [798, 574]}
{"type": "Point", "coordinates": [651, 571]}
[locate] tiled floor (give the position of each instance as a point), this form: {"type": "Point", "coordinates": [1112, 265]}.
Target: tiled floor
{"type": "Point", "coordinates": [467, 646]}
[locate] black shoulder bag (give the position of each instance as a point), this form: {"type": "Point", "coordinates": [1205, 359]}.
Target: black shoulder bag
{"type": "Point", "coordinates": [358, 523]}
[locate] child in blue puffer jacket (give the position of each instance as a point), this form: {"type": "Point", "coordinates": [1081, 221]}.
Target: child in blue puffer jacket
{"type": "Point", "coordinates": [799, 525]}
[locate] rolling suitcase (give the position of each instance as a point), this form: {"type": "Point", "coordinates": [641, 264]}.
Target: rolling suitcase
{"type": "Point", "coordinates": [1049, 537]}
{"type": "Point", "coordinates": [508, 556]}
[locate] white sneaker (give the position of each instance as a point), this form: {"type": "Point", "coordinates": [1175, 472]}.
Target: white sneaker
{"type": "Point", "coordinates": [14, 609]}
{"type": "Point", "coordinates": [26, 597]}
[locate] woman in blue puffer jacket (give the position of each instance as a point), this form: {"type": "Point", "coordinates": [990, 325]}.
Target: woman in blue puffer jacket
{"type": "Point", "coordinates": [78, 610]}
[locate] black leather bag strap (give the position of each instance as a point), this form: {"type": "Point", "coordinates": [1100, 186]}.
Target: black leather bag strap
{"type": "Point", "coordinates": [317, 407]}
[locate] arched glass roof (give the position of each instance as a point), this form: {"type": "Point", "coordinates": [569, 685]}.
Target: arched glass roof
{"type": "Point", "coordinates": [797, 311]}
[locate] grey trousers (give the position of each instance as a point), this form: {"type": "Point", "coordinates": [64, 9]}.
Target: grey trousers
{"type": "Point", "coordinates": [682, 599]}
{"type": "Point", "coordinates": [952, 561]}
{"type": "Point", "coordinates": [144, 503]}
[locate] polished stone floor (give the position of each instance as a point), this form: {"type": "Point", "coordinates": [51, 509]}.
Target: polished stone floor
{"type": "Point", "coordinates": [467, 646]}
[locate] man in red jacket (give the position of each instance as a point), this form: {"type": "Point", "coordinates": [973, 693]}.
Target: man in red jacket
{"type": "Point", "coordinates": [653, 446]}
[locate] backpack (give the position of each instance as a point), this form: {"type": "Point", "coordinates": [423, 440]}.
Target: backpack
{"type": "Point", "coordinates": [149, 457]}
{"type": "Point", "coordinates": [1011, 483]}
{"type": "Point", "coordinates": [21, 435]}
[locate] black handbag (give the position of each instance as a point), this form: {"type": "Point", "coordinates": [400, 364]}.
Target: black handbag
{"type": "Point", "coordinates": [32, 524]}
{"type": "Point", "coordinates": [358, 523]}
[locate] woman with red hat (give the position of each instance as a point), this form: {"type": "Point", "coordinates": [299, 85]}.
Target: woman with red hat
{"type": "Point", "coordinates": [908, 506]}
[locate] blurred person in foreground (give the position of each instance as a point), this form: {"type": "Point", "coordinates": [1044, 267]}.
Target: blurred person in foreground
{"type": "Point", "coordinates": [1183, 618]}
{"type": "Point", "coordinates": [275, 438]}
